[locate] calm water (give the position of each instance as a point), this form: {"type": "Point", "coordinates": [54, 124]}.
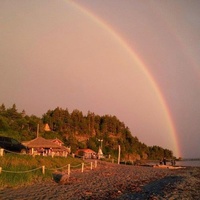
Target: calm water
{"type": "Point", "coordinates": [186, 163]}
{"type": "Point", "coordinates": [192, 163]}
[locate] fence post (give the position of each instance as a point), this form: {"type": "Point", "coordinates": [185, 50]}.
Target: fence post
{"type": "Point", "coordinates": [32, 151]}
{"type": "Point", "coordinates": [112, 160]}
{"type": "Point", "coordinates": [43, 169]}
{"type": "Point", "coordinates": [119, 155]}
{"type": "Point", "coordinates": [68, 171]}
{"type": "Point", "coordinates": [95, 164]}
{"type": "Point", "coordinates": [0, 170]}
{"type": "Point", "coordinates": [82, 167]}
{"type": "Point", "coordinates": [91, 166]}
{"type": "Point", "coordinates": [1, 151]}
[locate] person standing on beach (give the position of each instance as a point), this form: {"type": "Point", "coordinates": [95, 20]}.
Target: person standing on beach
{"type": "Point", "coordinates": [164, 161]}
{"type": "Point", "coordinates": [172, 162]}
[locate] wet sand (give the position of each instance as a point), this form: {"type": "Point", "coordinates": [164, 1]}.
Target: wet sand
{"type": "Point", "coordinates": [112, 181]}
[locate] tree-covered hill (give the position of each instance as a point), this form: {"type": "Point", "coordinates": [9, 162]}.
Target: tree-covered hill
{"type": "Point", "coordinates": [79, 131]}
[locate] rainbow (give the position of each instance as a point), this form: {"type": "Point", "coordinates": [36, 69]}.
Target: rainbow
{"type": "Point", "coordinates": [171, 24]}
{"type": "Point", "coordinates": [142, 66]}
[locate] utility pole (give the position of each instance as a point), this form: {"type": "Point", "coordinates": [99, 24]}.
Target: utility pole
{"type": "Point", "coordinates": [101, 142]}
{"type": "Point", "coordinates": [37, 130]}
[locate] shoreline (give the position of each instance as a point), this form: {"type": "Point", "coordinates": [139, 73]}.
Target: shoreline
{"type": "Point", "coordinates": [112, 181]}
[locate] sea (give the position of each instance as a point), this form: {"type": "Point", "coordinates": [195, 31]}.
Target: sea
{"type": "Point", "coordinates": [187, 163]}
{"type": "Point", "coordinates": [183, 163]}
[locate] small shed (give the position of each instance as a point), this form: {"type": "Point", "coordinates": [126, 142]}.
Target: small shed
{"type": "Point", "coordinates": [86, 153]}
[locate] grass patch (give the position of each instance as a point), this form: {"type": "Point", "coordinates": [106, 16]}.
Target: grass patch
{"type": "Point", "coordinates": [20, 170]}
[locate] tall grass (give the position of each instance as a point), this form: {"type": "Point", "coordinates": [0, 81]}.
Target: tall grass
{"type": "Point", "coordinates": [19, 170]}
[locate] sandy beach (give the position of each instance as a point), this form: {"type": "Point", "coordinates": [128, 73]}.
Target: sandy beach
{"type": "Point", "coordinates": [112, 181]}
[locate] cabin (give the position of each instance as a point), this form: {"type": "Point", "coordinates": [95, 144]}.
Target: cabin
{"type": "Point", "coordinates": [86, 153]}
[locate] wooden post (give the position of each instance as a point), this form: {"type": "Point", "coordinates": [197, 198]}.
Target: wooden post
{"type": "Point", "coordinates": [119, 155]}
{"type": "Point", "coordinates": [95, 164]}
{"type": "Point", "coordinates": [68, 171]}
{"type": "Point", "coordinates": [91, 166]}
{"type": "Point", "coordinates": [82, 168]}
{"type": "Point", "coordinates": [43, 169]}
{"type": "Point", "coordinates": [113, 160]}
{"type": "Point", "coordinates": [0, 170]}
{"type": "Point", "coordinates": [1, 151]}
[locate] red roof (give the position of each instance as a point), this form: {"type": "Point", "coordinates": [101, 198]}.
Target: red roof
{"type": "Point", "coordinates": [86, 150]}
{"type": "Point", "coordinates": [57, 141]}
{"type": "Point", "coordinates": [40, 142]}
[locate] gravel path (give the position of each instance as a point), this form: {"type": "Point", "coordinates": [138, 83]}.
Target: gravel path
{"type": "Point", "coordinates": [112, 181]}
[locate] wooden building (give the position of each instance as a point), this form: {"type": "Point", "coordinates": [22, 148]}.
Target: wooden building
{"type": "Point", "coordinates": [42, 146]}
{"type": "Point", "coordinates": [86, 153]}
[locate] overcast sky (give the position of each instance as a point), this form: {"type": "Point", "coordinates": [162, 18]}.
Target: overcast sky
{"type": "Point", "coordinates": [137, 60]}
